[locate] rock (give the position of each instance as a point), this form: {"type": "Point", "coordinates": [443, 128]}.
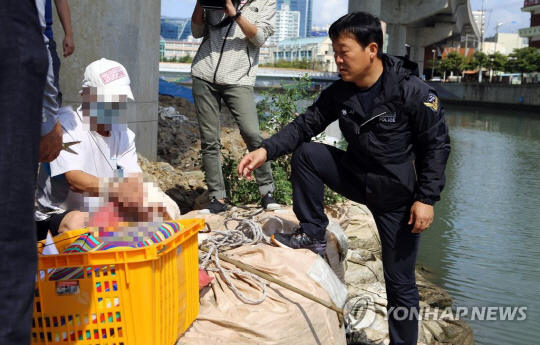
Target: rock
{"type": "Point", "coordinates": [198, 174]}
{"type": "Point", "coordinates": [362, 231]}
{"type": "Point", "coordinates": [365, 272]}
{"type": "Point", "coordinates": [201, 201]}
{"type": "Point", "coordinates": [359, 256]}
{"type": "Point", "coordinates": [431, 294]}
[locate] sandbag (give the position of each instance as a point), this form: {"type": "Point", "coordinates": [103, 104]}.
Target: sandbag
{"type": "Point", "coordinates": [284, 317]}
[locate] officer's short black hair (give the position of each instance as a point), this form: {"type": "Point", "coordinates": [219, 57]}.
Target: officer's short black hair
{"type": "Point", "coordinates": [365, 27]}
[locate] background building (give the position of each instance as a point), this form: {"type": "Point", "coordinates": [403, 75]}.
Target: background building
{"type": "Point", "coordinates": [317, 50]}
{"type": "Point", "coordinates": [479, 18]}
{"type": "Point", "coordinates": [305, 7]}
{"type": "Point", "coordinates": [533, 32]}
{"type": "Point", "coordinates": [287, 25]}
{"type": "Point", "coordinates": [178, 49]}
{"type": "Point", "coordinates": [175, 28]}
{"type": "Point", "coordinates": [173, 48]}
{"type": "Point", "coordinates": [503, 43]}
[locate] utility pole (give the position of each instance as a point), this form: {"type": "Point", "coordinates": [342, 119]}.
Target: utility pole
{"type": "Point", "coordinates": [497, 35]}
{"type": "Point", "coordinates": [433, 63]}
{"type": "Point", "coordinates": [481, 40]}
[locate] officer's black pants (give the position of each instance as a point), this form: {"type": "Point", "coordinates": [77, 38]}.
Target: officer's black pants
{"type": "Point", "coordinates": [313, 166]}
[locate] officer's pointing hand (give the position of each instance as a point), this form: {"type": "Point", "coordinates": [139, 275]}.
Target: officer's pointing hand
{"type": "Point", "coordinates": [250, 162]}
{"type": "Point", "coordinates": [421, 216]}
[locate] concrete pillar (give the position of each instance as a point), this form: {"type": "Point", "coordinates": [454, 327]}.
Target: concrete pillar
{"type": "Point", "coordinates": [397, 35]}
{"type": "Point", "coordinates": [369, 6]}
{"type": "Point", "coordinates": [125, 31]}
{"type": "Point", "coordinates": [417, 55]}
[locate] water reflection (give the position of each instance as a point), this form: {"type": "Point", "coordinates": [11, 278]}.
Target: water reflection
{"type": "Point", "coordinates": [484, 245]}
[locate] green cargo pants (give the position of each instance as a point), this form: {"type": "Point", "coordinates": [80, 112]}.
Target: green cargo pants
{"type": "Point", "coordinates": [241, 103]}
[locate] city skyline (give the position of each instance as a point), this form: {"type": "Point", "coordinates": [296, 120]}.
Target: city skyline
{"type": "Point", "coordinates": [326, 12]}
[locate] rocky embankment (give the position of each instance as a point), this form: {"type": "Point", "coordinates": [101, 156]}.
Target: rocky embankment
{"type": "Point", "coordinates": [178, 173]}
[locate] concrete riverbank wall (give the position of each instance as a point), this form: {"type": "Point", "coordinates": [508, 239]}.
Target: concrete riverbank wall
{"type": "Point", "coordinates": [524, 95]}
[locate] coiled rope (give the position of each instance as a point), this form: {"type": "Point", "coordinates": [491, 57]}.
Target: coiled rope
{"type": "Point", "coordinates": [247, 232]}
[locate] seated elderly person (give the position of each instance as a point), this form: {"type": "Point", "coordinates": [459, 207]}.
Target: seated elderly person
{"type": "Point", "coordinates": [99, 170]}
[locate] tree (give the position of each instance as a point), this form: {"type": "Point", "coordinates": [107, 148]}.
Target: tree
{"type": "Point", "coordinates": [185, 59]}
{"type": "Point", "coordinates": [524, 60]}
{"type": "Point", "coordinates": [477, 61]}
{"type": "Point", "coordinates": [275, 111]}
{"type": "Point", "coordinates": [319, 65]}
{"type": "Point", "coordinates": [299, 64]}
{"type": "Point", "coordinates": [496, 62]}
{"type": "Point", "coordinates": [454, 62]}
{"type": "Point", "coordinates": [436, 65]}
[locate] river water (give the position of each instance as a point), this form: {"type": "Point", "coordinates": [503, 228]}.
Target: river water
{"type": "Point", "coordinates": [484, 245]}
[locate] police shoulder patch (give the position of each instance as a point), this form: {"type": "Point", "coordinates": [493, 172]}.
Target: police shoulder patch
{"type": "Point", "coordinates": [432, 102]}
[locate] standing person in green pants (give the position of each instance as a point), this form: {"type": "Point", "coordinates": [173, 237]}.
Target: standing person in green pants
{"type": "Point", "coordinates": [224, 69]}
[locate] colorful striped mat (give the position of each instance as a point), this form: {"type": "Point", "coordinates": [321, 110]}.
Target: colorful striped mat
{"type": "Point", "coordinates": [88, 243]}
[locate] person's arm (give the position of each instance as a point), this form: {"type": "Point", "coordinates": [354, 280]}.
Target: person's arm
{"type": "Point", "coordinates": [50, 144]}
{"type": "Point", "coordinates": [81, 182]}
{"type": "Point", "coordinates": [127, 193]}
{"type": "Point", "coordinates": [197, 21]}
{"type": "Point", "coordinates": [247, 28]}
{"type": "Point", "coordinates": [432, 146]}
{"type": "Point", "coordinates": [257, 33]}
{"type": "Point", "coordinates": [252, 161]}
{"type": "Point", "coordinates": [306, 126]}
{"type": "Point", "coordinates": [62, 8]}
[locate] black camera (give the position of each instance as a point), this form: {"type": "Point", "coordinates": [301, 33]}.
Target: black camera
{"type": "Point", "coordinates": [213, 4]}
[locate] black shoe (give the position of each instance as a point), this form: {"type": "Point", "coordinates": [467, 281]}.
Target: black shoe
{"type": "Point", "coordinates": [298, 240]}
{"type": "Point", "coordinates": [269, 203]}
{"type": "Point", "coordinates": [214, 207]}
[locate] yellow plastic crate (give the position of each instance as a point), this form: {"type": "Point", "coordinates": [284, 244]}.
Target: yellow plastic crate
{"type": "Point", "coordinates": [63, 240]}
{"type": "Point", "coordinates": [139, 296]}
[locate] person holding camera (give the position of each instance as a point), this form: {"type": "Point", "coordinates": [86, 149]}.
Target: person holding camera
{"type": "Point", "coordinates": [224, 70]}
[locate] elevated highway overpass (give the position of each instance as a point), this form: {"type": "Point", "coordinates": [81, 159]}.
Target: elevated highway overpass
{"type": "Point", "coordinates": [421, 23]}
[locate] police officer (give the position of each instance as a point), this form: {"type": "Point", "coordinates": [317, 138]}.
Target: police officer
{"type": "Point", "coordinates": [398, 146]}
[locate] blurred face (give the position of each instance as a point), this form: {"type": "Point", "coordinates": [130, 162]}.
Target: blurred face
{"type": "Point", "coordinates": [103, 112]}
{"type": "Point", "coordinates": [353, 61]}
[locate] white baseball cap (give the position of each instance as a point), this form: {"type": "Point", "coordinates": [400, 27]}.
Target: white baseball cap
{"type": "Point", "coordinates": [110, 77]}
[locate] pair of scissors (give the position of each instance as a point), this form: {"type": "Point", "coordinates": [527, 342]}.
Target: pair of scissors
{"type": "Point", "coordinates": [65, 146]}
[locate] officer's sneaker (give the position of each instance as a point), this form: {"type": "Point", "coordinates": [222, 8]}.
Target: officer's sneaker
{"type": "Point", "coordinates": [298, 240]}
{"type": "Point", "coordinates": [214, 207]}
{"type": "Point", "coordinates": [269, 203]}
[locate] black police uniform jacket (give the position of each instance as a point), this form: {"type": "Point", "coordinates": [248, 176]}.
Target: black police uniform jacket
{"type": "Point", "coordinates": [398, 151]}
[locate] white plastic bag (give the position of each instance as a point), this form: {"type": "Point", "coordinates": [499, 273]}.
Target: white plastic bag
{"type": "Point", "coordinates": [327, 279]}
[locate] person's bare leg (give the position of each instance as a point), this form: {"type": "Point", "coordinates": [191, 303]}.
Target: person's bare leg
{"type": "Point", "coordinates": [72, 221]}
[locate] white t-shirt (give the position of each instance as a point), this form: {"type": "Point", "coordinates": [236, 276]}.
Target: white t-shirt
{"type": "Point", "coordinates": [97, 155]}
